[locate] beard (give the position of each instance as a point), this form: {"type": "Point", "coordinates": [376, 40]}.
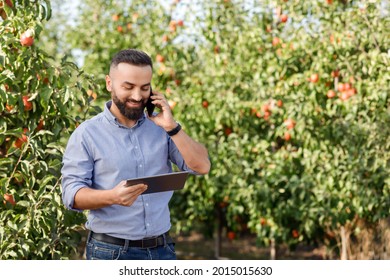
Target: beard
{"type": "Point", "coordinates": [130, 113]}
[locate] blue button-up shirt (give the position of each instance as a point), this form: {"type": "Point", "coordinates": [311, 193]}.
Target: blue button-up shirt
{"type": "Point", "coordinates": [100, 153]}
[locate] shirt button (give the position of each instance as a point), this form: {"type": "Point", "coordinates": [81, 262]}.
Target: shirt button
{"type": "Point", "coordinates": [147, 224]}
{"type": "Point", "coordinates": [140, 165]}
{"type": "Point", "coordinates": [136, 147]}
{"type": "Point", "coordinates": [147, 204]}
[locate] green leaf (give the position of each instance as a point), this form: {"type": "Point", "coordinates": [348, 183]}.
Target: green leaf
{"type": "Point", "coordinates": [45, 96]}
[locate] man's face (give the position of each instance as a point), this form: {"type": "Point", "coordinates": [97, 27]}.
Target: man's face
{"type": "Point", "coordinates": [130, 88]}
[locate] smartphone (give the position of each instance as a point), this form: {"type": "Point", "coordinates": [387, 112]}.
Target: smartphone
{"type": "Point", "coordinates": [149, 105]}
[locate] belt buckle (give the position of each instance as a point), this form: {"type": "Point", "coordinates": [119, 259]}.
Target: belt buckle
{"type": "Point", "coordinates": [153, 246]}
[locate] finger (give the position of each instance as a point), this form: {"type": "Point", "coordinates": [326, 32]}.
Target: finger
{"type": "Point", "coordinates": [123, 183]}
{"type": "Point", "coordinates": [141, 189]}
{"type": "Point", "coordinates": [158, 97]}
{"type": "Point", "coordinates": [159, 102]}
{"type": "Point", "coordinates": [134, 195]}
{"type": "Point", "coordinates": [156, 94]}
{"type": "Point", "coordinates": [137, 188]}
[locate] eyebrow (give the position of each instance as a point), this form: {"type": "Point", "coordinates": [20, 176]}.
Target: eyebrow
{"type": "Point", "coordinates": [131, 84]}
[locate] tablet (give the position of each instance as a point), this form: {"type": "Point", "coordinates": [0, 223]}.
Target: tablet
{"type": "Point", "coordinates": [161, 183]}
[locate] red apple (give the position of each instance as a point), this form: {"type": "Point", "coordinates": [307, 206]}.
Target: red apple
{"type": "Point", "coordinates": [9, 107]}
{"type": "Point", "coordinates": [228, 131]}
{"type": "Point", "coordinates": [40, 125]}
{"type": "Point", "coordinates": [165, 38]}
{"type": "Point", "coordinates": [335, 73]}
{"type": "Point", "coordinates": [231, 235]}
{"type": "Point", "coordinates": [344, 96]}
{"type": "Point", "coordinates": [314, 78]}
{"type": "Point", "coordinates": [253, 111]}
{"type": "Point", "coordinates": [172, 25]}
{"type": "Point", "coordinates": [27, 39]}
{"type": "Point", "coordinates": [21, 140]}
{"type": "Point", "coordinates": [160, 58]}
{"type": "Point", "coordinates": [340, 87]}
{"type": "Point", "coordinates": [283, 18]}
{"type": "Point", "coordinates": [267, 114]}
{"type": "Point", "coordinates": [27, 104]}
{"type": "Point", "coordinates": [351, 91]}
{"type": "Point", "coordinates": [290, 123]}
{"type": "Point", "coordinates": [172, 104]}
{"type": "Point", "coordinates": [265, 107]}
{"type": "Point", "coordinates": [275, 41]}
{"type": "Point", "coordinates": [9, 3]}
{"type": "Point", "coordinates": [331, 94]}
{"type": "Point", "coordinates": [9, 198]}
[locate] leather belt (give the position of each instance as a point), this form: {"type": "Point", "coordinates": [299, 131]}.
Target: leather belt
{"type": "Point", "coordinates": [151, 242]}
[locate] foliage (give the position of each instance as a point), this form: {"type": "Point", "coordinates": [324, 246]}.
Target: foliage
{"type": "Point", "coordinates": [39, 102]}
{"type": "Point", "coordinates": [290, 97]}
{"type": "Point", "coordinates": [296, 164]}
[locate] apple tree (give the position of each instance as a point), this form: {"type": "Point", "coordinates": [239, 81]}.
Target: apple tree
{"type": "Point", "coordinates": [41, 102]}
{"type": "Point", "coordinates": [290, 97]}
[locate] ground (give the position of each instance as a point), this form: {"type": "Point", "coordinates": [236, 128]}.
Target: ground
{"type": "Point", "coordinates": [196, 247]}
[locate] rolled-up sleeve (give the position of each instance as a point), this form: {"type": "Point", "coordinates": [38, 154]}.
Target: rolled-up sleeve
{"type": "Point", "coordinates": [77, 168]}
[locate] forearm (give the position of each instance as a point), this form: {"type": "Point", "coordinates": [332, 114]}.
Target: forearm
{"type": "Point", "coordinates": [194, 154]}
{"type": "Point", "coordinates": [89, 199]}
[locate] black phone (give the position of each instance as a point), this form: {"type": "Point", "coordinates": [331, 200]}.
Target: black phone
{"type": "Point", "coordinates": [149, 105]}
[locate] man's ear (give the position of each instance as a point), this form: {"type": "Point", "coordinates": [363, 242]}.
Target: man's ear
{"type": "Point", "coordinates": [108, 83]}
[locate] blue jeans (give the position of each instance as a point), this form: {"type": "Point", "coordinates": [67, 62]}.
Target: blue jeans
{"type": "Point", "coordinates": [98, 250]}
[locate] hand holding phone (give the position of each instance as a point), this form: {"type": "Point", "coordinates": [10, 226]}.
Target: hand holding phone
{"type": "Point", "coordinates": [164, 118]}
{"type": "Point", "coordinates": [149, 105]}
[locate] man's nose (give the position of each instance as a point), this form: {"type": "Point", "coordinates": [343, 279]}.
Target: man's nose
{"type": "Point", "coordinates": [137, 94]}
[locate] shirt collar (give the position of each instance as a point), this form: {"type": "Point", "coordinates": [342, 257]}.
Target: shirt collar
{"type": "Point", "coordinates": [112, 119]}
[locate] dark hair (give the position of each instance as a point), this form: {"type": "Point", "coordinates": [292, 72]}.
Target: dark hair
{"type": "Point", "coordinates": [133, 57]}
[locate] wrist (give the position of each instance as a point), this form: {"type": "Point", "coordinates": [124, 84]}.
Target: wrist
{"type": "Point", "coordinates": [174, 130]}
{"type": "Point", "coordinates": [171, 126]}
{"type": "Point", "coordinates": [111, 197]}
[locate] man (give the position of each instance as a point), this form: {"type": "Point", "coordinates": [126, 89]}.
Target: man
{"type": "Point", "coordinates": [120, 143]}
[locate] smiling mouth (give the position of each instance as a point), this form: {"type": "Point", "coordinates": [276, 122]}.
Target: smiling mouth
{"type": "Point", "coordinates": [133, 103]}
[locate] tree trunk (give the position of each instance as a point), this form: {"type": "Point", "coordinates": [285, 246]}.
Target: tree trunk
{"type": "Point", "coordinates": [272, 249]}
{"type": "Point", "coordinates": [218, 237]}
{"type": "Point", "coordinates": [344, 243]}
